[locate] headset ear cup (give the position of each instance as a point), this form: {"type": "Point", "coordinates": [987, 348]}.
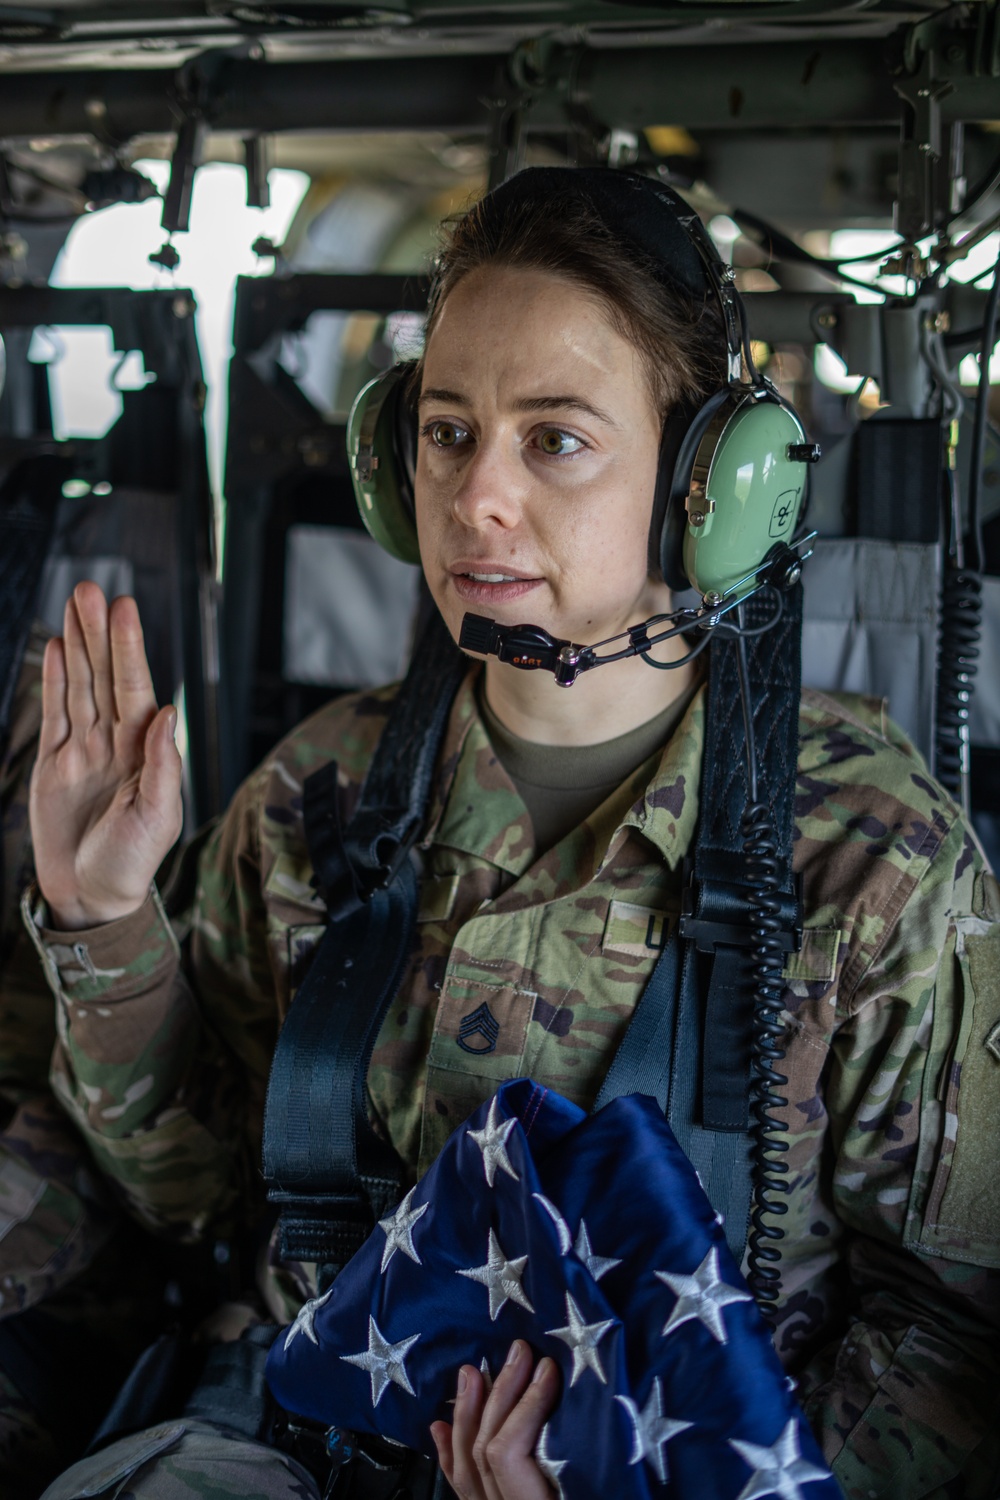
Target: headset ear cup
{"type": "Point", "coordinates": [381, 446]}
{"type": "Point", "coordinates": [666, 533]}
{"type": "Point", "coordinates": [747, 485]}
{"type": "Point", "coordinates": [404, 442]}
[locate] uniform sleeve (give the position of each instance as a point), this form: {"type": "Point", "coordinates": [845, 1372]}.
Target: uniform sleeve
{"type": "Point", "coordinates": [151, 1060]}
{"type": "Point", "coordinates": [909, 1398]}
{"type": "Point", "coordinates": [55, 1215]}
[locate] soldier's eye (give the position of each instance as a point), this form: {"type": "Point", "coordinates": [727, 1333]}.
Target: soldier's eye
{"type": "Point", "coordinates": [554, 442]}
{"type": "Point", "coordinates": [445, 434]}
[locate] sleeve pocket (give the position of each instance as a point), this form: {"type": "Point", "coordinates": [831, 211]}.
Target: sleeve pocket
{"type": "Point", "coordinates": [962, 1216]}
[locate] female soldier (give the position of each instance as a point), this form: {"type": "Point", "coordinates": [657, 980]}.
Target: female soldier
{"type": "Point", "coordinates": [571, 316]}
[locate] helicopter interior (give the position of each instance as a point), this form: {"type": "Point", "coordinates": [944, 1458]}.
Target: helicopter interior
{"type": "Point", "coordinates": [790, 125]}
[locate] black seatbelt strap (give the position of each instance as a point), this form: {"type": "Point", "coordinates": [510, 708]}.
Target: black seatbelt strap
{"type": "Point", "coordinates": [716, 915]}
{"type": "Point", "coordinates": [324, 1164]}
{"type": "Point", "coordinates": [689, 1041]}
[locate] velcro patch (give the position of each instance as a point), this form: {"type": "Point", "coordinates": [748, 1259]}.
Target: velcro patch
{"type": "Point", "coordinates": [816, 960]}
{"type": "Point", "coordinates": [635, 931]}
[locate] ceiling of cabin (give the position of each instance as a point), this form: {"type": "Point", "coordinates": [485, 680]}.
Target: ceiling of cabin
{"type": "Point", "coordinates": [794, 105]}
{"type": "Point", "coordinates": [158, 33]}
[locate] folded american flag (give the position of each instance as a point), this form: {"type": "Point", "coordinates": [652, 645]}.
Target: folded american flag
{"type": "Point", "coordinates": [591, 1238]}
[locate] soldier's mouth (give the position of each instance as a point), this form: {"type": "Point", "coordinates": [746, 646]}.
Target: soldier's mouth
{"type": "Point", "coordinates": [491, 587]}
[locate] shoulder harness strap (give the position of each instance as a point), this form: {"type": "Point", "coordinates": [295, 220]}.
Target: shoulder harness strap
{"type": "Point", "coordinates": [324, 1164]}
{"type": "Point", "coordinates": [690, 1039]}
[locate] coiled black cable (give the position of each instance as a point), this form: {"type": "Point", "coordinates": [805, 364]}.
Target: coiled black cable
{"type": "Point", "coordinates": [770, 1171]}
{"type": "Point", "coordinates": [959, 626]}
{"type": "Point", "coordinates": [962, 587]}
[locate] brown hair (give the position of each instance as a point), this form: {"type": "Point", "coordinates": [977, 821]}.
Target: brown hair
{"type": "Point", "coordinates": [680, 340]}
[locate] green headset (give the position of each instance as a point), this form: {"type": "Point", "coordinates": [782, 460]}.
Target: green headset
{"type": "Point", "coordinates": [731, 480]}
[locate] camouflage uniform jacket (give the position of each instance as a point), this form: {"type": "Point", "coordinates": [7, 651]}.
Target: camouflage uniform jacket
{"type": "Point", "coordinates": [54, 1215]}
{"type": "Point", "coordinates": [890, 1311]}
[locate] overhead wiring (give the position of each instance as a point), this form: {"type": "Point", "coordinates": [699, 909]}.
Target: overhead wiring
{"type": "Point", "coordinates": [986, 184]}
{"type": "Point", "coordinates": [782, 247]}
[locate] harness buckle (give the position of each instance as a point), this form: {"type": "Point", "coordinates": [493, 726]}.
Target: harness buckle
{"type": "Point", "coordinates": [717, 912]}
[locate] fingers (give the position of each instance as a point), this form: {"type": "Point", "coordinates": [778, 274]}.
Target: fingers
{"type": "Point", "coordinates": [441, 1433]}
{"type": "Point", "coordinates": [80, 698]}
{"type": "Point", "coordinates": [489, 1452]}
{"type": "Point", "coordinates": [510, 1451]}
{"type": "Point", "coordinates": [92, 612]}
{"type": "Point", "coordinates": [55, 718]}
{"type": "Point", "coordinates": [134, 699]}
{"type": "Point", "coordinates": [507, 1390]}
{"type": "Point", "coordinates": [108, 678]}
{"type": "Point", "coordinates": [465, 1477]}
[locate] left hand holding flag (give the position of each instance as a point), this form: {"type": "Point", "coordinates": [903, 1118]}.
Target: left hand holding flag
{"type": "Point", "coordinates": [488, 1452]}
{"type": "Point", "coordinates": [589, 1240]}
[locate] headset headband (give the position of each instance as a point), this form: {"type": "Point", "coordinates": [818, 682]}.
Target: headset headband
{"type": "Point", "coordinates": [731, 478]}
{"type": "Point", "coordinates": [648, 218]}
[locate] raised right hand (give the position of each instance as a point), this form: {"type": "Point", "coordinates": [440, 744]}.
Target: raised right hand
{"type": "Point", "coordinates": [106, 789]}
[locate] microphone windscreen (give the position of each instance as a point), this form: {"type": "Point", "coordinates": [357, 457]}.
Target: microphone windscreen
{"type": "Point", "coordinates": [477, 634]}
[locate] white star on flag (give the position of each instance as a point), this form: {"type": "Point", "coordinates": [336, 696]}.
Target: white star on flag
{"type": "Point", "coordinates": [583, 1339]}
{"type": "Point", "coordinates": [398, 1229]}
{"type": "Point", "coordinates": [304, 1319]}
{"type": "Point", "coordinates": [701, 1296]}
{"type": "Point", "coordinates": [562, 1228]}
{"type": "Point", "coordinates": [383, 1361]}
{"type": "Point", "coordinates": [652, 1430]}
{"type": "Point", "coordinates": [492, 1142]}
{"type": "Point", "coordinates": [550, 1467]}
{"type": "Point", "coordinates": [597, 1265]}
{"type": "Point", "coordinates": [502, 1277]}
{"type": "Point", "coordinates": [780, 1470]}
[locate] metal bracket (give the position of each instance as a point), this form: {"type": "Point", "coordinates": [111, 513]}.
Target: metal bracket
{"type": "Point", "coordinates": [920, 205]}
{"type": "Point", "coordinates": [986, 47]}
{"type": "Point", "coordinates": [523, 77]}
{"type": "Point", "coordinates": [196, 99]}
{"type": "Point", "coordinates": [255, 158]}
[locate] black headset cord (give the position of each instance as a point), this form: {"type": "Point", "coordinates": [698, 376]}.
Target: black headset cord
{"type": "Point", "coordinates": [770, 1170]}
{"type": "Point", "coordinates": [962, 588]}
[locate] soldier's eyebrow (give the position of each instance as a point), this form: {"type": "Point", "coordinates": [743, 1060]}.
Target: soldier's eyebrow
{"type": "Point", "coordinates": [525, 403]}
{"type": "Point", "coordinates": [438, 393]}
{"type": "Point", "coordinates": [574, 403]}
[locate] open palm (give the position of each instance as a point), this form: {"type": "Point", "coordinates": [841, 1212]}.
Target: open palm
{"type": "Point", "coordinates": [106, 789]}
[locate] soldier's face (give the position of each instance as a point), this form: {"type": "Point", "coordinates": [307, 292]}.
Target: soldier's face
{"type": "Point", "coordinates": [536, 461]}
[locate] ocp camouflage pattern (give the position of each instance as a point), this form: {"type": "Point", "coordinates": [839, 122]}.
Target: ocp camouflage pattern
{"type": "Point", "coordinates": [889, 1315]}
{"type": "Point", "coordinates": [55, 1215]}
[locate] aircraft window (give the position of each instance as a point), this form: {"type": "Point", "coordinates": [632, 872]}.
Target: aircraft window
{"type": "Point", "coordinates": [86, 377]}
{"type": "Point", "coordinates": [332, 356]}
{"type": "Point", "coordinates": [112, 248]}
{"type": "Point", "coordinates": [362, 227]}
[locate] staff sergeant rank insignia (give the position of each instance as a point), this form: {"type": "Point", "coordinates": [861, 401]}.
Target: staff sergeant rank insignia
{"type": "Point", "coordinates": [479, 1022]}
